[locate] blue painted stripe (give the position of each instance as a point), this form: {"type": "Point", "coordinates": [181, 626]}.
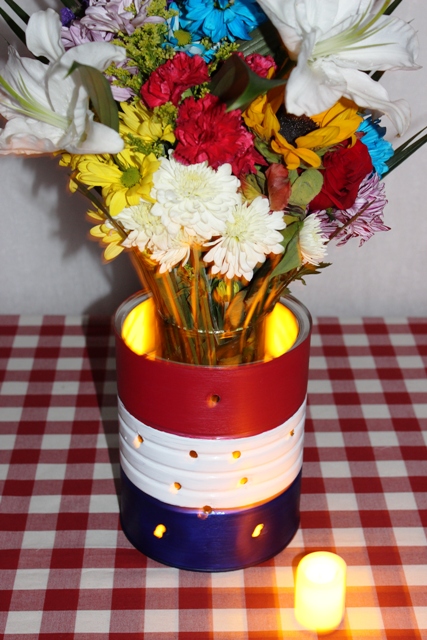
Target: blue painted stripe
{"type": "Point", "coordinates": [219, 541]}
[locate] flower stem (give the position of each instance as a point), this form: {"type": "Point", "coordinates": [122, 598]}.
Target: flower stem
{"type": "Point", "coordinates": [349, 222]}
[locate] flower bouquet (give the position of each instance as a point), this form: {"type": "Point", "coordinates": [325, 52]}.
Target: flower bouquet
{"type": "Point", "coordinates": [222, 144]}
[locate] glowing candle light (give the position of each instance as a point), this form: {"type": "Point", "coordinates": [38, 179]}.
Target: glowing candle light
{"type": "Point", "coordinates": [139, 328]}
{"type": "Point", "coordinates": [281, 331]}
{"type": "Point", "coordinates": [140, 333]}
{"type": "Point", "coordinates": [320, 591]}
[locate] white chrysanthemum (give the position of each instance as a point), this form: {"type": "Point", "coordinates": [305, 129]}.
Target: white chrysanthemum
{"type": "Point", "coordinates": [174, 249]}
{"type": "Point", "coordinates": [312, 240]}
{"type": "Point", "coordinates": [194, 197]}
{"type": "Point", "coordinates": [145, 230]}
{"type": "Point", "coordinates": [249, 237]}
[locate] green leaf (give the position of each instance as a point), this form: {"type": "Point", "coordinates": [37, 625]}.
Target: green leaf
{"type": "Point", "coordinates": [408, 142]}
{"type": "Point", "coordinates": [264, 149]}
{"type": "Point", "coordinates": [235, 311]}
{"type": "Point", "coordinates": [237, 85]}
{"type": "Point", "coordinates": [251, 187]}
{"type": "Point", "coordinates": [100, 94]}
{"type": "Point", "coordinates": [392, 7]}
{"type": "Point", "coordinates": [306, 187]}
{"type": "Point", "coordinates": [405, 150]}
{"type": "Point", "coordinates": [310, 269]}
{"type": "Point", "coordinates": [12, 24]}
{"type": "Point", "coordinates": [293, 175]}
{"type": "Point", "coordinates": [291, 257]}
{"type": "Point", "coordinates": [74, 5]}
{"type": "Point", "coordinates": [22, 15]}
{"type": "Point", "coordinates": [379, 74]}
{"type": "Point", "coordinates": [265, 40]}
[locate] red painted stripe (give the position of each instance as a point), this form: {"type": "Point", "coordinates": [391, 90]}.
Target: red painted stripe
{"type": "Point", "coordinates": [174, 397]}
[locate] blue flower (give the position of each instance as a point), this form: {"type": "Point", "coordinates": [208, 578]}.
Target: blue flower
{"type": "Point", "coordinates": [180, 39]}
{"type": "Point", "coordinates": [379, 149]}
{"type": "Point", "coordinates": [218, 19]}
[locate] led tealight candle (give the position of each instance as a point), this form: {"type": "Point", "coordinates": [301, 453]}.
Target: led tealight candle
{"type": "Point", "coordinates": [320, 591]}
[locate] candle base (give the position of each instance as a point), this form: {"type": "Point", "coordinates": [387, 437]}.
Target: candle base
{"type": "Point", "coordinates": [320, 591]}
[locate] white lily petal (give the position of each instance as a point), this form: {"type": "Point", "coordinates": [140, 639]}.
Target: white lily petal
{"type": "Point", "coordinates": [309, 89]}
{"type": "Point", "coordinates": [368, 93]}
{"type": "Point", "coordinates": [331, 38]}
{"type": "Point", "coordinates": [99, 139]}
{"type": "Point", "coordinates": [65, 93]}
{"type": "Point", "coordinates": [295, 18]}
{"type": "Point", "coordinates": [64, 90]}
{"type": "Point", "coordinates": [18, 137]}
{"type": "Point", "coordinates": [282, 15]}
{"type": "Point", "coordinates": [312, 16]}
{"type": "Point", "coordinates": [95, 54]}
{"type": "Point", "coordinates": [350, 10]}
{"type": "Point", "coordinates": [24, 71]}
{"type": "Point", "coordinates": [78, 110]}
{"type": "Point", "coordinates": [43, 35]}
{"type": "Point", "coordinates": [393, 47]}
{"type": "Point", "coordinates": [47, 108]}
{"type": "Point", "coordinates": [23, 92]}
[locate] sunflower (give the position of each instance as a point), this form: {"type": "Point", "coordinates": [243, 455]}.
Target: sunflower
{"type": "Point", "coordinates": [321, 131]}
{"type": "Point", "coordinates": [336, 124]}
{"type": "Point", "coordinates": [125, 178]}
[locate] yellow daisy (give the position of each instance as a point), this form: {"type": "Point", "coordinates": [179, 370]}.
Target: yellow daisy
{"type": "Point", "coordinates": [139, 121]}
{"type": "Point", "coordinates": [106, 233]}
{"type": "Point", "coordinates": [124, 180]}
{"type": "Point", "coordinates": [73, 161]}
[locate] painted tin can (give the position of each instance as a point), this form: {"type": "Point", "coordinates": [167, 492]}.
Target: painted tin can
{"type": "Point", "coordinates": [211, 485]}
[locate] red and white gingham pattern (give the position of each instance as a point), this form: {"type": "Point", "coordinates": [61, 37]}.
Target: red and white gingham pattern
{"type": "Point", "coordinates": [67, 571]}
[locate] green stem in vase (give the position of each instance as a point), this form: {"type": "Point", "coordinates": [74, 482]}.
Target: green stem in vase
{"type": "Point", "coordinates": [211, 343]}
{"type": "Point", "coordinates": [188, 350]}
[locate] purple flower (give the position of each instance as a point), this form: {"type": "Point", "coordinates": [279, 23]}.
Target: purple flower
{"type": "Point", "coordinates": [103, 19]}
{"type": "Point", "coordinates": [361, 220]}
{"type": "Point", "coordinates": [77, 34]}
{"type": "Point", "coordinates": [115, 15]}
{"type": "Point", "coordinates": [328, 223]}
{"type": "Point", "coordinates": [67, 16]}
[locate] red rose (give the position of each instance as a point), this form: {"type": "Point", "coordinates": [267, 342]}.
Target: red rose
{"type": "Point", "coordinates": [169, 81]}
{"type": "Point", "coordinates": [206, 132]}
{"type": "Point", "coordinates": [344, 170]}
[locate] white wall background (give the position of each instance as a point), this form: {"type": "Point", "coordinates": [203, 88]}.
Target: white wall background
{"type": "Point", "coordinates": [48, 264]}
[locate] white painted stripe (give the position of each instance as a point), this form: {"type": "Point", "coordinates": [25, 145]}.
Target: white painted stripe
{"type": "Point", "coordinates": [268, 463]}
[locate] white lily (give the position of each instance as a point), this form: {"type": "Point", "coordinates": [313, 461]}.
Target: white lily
{"type": "Point", "coordinates": [334, 42]}
{"type": "Point", "coordinates": [47, 109]}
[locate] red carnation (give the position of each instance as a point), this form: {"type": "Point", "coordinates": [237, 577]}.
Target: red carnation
{"type": "Point", "coordinates": [259, 64]}
{"type": "Point", "coordinates": [344, 170]}
{"type": "Point", "coordinates": [169, 81]}
{"type": "Point", "coordinates": [205, 131]}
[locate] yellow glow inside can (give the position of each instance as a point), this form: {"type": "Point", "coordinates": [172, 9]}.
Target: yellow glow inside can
{"type": "Point", "coordinates": [139, 330]}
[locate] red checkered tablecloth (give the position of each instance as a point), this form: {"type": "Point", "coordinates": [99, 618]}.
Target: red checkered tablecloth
{"type": "Point", "coordinates": [67, 570]}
